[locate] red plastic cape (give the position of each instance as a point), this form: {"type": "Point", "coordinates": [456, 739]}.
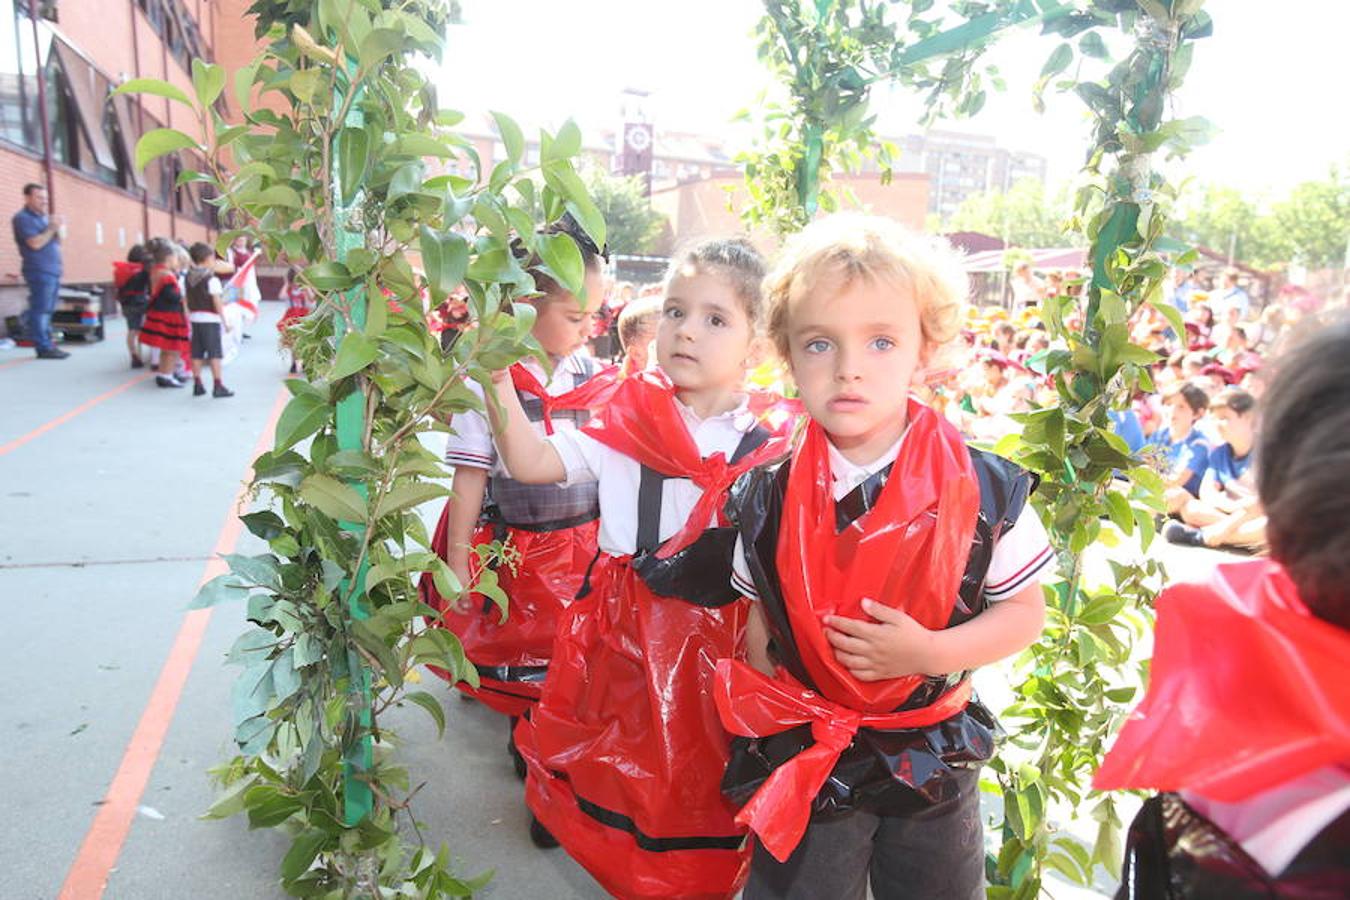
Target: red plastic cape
{"type": "Point", "coordinates": [1248, 690]}
{"type": "Point", "coordinates": [123, 271]}
{"type": "Point", "coordinates": [641, 421]}
{"type": "Point", "coordinates": [753, 705]}
{"type": "Point", "coordinates": [594, 392]}
{"type": "Point", "coordinates": [917, 535]}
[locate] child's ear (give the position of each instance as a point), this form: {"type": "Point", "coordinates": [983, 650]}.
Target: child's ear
{"type": "Point", "coordinates": [757, 353]}
{"type": "Point", "coordinates": [928, 352]}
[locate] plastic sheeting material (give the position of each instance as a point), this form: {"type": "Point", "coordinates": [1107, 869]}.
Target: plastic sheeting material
{"type": "Point", "coordinates": [1248, 690]}
{"type": "Point", "coordinates": [625, 751]}
{"type": "Point", "coordinates": [593, 393]}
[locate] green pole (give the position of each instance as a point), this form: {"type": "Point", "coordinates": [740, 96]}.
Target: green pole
{"type": "Point", "coordinates": [358, 800]}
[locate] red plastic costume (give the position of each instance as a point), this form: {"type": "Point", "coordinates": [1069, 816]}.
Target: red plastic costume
{"type": "Point", "coordinates": [512, 656]}
{"type": "Point", "coordinates": [625, 752]}
{"type": "Point", "coordinates": [299, 302]}
{"type": "Point", "coordinates": [166, 324]}
{"type": "Point", "coordinates": [1247, 692]}
{"type": "Point", "coordinates": [924, 518]}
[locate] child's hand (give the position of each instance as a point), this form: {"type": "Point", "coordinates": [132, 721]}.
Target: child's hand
{"type": "Point", "coordinates": [892, 646]}
{"type": "Point", "coordinates": [501, 376]}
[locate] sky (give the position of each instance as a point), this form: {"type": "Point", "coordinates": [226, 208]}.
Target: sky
{"type": "Point", "coordinates": [1272, 78]}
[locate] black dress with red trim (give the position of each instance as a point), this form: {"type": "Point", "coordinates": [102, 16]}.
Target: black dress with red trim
{"type": "Point", "coordinates": [553, 531]}
{"type": "Point", "coordinates": [887, 772]}
{"type": "Point", "coordinates": [165, 325]}
{"type": "Point", "coordinates": [1174, 853]}
{"type": "Point", "coordinates": [625, 750]}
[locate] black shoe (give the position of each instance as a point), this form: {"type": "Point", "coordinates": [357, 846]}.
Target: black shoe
{"type": "Point", "coordinates": [167, 381]}
{"type": "Point", "coordinates": [293, 369]}
{"type": "Point", "coordinates": [248, 337]}
{"type": "Point", "coordinates": [540, 836]}
{"type": "Point", "coordinates": [1184, 535]}
{"type": "Point", "coordinates": [182, 377]}
{"type": "Point", "coordinates": [220, 390]}
{"type": "Point", "coordinates": [53, 353]}
{"type": "Point", "coordinates": [137, 362]}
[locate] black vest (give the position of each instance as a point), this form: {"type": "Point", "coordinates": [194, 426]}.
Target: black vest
{"type": "Point", "coordinates": [886, 772]}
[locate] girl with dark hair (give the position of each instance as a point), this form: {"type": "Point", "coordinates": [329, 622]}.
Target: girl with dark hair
{"type": "Point", "coordinates": [166, 322]}
{"type": "Point", "coordinates": [549, 529]}
{"type": "Point", "coordinates": [132, 280]}
{"type": "Point", "coordinates": [1246, 723]}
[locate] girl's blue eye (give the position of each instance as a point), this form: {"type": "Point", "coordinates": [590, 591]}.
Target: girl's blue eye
{"type": "Point", "coordinates": [674, 312]}
{"type": "Point", "coordinates": [819, 345]}
{"type": "Point", "coordinates": [883, 343]}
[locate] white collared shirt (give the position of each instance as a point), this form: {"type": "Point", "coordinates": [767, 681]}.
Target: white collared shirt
{"type": "Point", "coordinates": [620, 476]}
{"type": "Point", "coordinates": [1022, 554]}
{"type": "Point", "coordinates": [471, 443]}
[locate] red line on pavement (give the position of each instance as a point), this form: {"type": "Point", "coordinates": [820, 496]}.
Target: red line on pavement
{"type": "Point", "coordinates": [17, 362]}
{"type": "Point", "coordinates": [88, 875]}
{"type": "Point", "coordinates": [67, 416]}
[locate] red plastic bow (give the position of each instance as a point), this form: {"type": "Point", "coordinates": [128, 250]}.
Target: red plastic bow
{"type": "Point", "coordinates": [1248, 690]}
{"type": "Point", "coordinates": [595, 391]}
{"type": "Point", "coordinates": [753, 705]}
{"type": "Point", "coordinates": [642, 421]}
{"type": "Point", "coordinates": [908, 551]}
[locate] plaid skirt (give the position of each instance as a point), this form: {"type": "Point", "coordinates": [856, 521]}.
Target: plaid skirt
{"type": "Point", "coordinates": [168, 330]}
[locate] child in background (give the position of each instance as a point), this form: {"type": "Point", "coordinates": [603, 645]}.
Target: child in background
{"type": "Point", "coordinates": [132, 280]}
{"type": "Point", "coordinates": [1227, 512]}
{"type": "Point", "coordinates": [624, 749]}
{"type": "Point", "coordinates": [1185, 449]}
{"type": "Point", "coordinates": [551, 528]}
{"type": "Point", "coordinates": [1246, 723]}
{"type": "Point", "coordinates": [886, 560]}
{"type": "Point", "coordinates": [637, 329]}
{"type": "Point", "coordinates": [299, 303]}
{"type": "Point", "coordinates": [166, 322]}
{"type": "Point", "coordinates": [206, 315]}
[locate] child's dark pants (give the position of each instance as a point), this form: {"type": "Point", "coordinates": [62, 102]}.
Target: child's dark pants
{"type": "Point", "coordinates": [934, 854]}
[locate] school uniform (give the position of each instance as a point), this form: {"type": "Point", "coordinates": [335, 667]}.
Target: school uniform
{"type": "Point", "coordinates": [552, 529]}
{"type": "Point", "coordinates": [1253, 767]}
{"type": "Point", "coordinates": [846, 781]}
{"type": "Point", "coordinates": [165, 325]}
{"type": "Point", "coordinates": [203, 287]}
{"type": "Point", "coordinates": [298, 305]}
{"type": "Point", "coordinates": [624, 751]}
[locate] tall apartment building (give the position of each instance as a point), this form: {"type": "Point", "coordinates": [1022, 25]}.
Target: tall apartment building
{"type": "Point", "coordinates": [60, 126]}
{"type": "Point", "coordinates": [961, 165]}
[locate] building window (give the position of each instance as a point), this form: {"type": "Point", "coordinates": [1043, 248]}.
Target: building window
{"type": "Point", "coordinates": [19, 122]}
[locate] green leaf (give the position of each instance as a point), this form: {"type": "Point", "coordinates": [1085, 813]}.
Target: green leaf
{"type": "Point", "coordinates": [329, 276]}
{"type": "Point", "coordinates": [1091, 44]}
{"type": "Point", "coordinates": [303, 851]}
{"type": "Point", "coordinates": [565, 145]}
{"type": "Point", "coordinates": [264, 524]}
{"type": "Point", "coordinates": [432, 706]}
{"type": "Point", "coordinates": [259, 570]}
{"type": "Point", "coordinates": [407, 180]}
{"type": "Point", "coordinates": [405, 496]}
{"type": "Point", "coordinates": [221, 589]}
{"type": "Point", "coordinates": [154, 86]}
{"type": "Point", "coordinates": [303, 416]}
{"type": "Point", "coordinates": [1058, 61]}
{"type": "Point", "coordinates": [513, 139]}
{"type": "Point", "coordinates": [333, 498]}
{"type": "Point", "coordinates": [378, 46]}
{"type": "Point", "coordinates": [279, 195]}
{"type": "Point", "coordinates": [208, 80]}
{"type": "Point", "coordinates": [305, 83]}
{"type": "Point", "coordinates": [355, 352]}
{"type": "Point", "coordinates": [161, 141]}
{"type": "Point", "coordinates": [415, 144]}
{"type": "Point", "coordinates": [446, 258]}
{"type": "Point", "coordinates": [367, 638]}
{"type": "Point", "coordinates": [243, 84]}
{"type": "Point", "coordinates": [353, 160]}
{"type": "Point", "coordinates": [559, 252]}
{"type": "Point", "coordinates": [231, 802]}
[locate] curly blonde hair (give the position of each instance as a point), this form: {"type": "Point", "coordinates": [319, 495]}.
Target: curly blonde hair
{"type": "Point", "coordinates": [841, 248]}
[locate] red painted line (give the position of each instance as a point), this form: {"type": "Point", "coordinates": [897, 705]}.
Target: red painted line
{"type": "Point", "coordinates": [67, 416]}
{"type": "Point", "coordinates": [88, 875]}
{"type": "Point", "coordinates": [17, 362]}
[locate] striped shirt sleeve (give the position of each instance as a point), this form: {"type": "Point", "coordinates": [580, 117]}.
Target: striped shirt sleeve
{"type": "Point", "coordinates": [741, 582]}
{"type": "Point", "coordinates": [471, 443]}
{"type": "Point", "coordinates": [1022, 556]}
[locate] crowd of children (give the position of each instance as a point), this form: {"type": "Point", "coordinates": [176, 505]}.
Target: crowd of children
{"type": "Point", "coordinates": [173, 301]}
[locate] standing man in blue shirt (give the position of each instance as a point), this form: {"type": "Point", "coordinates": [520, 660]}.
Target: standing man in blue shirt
{"type": "Point", "coordinates": [39, 243]}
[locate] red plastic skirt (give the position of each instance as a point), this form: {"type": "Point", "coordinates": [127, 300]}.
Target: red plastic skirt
{"type": "Point", "coordinates": [625, 749]}
{"type": "Point", "coordinates": [168, 330]}
{"type": "Point", "coordinates": [512, 657]}
{"type": "Point", "coordinates": [291, 314]}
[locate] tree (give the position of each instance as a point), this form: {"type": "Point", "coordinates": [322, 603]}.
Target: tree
{"type": "Point", "coordinates": [633, 225]}
{"type": "Point", "coordinates": [1227, 220]}
{"type": "Point", "coordinates": [1022, 216]}
{"type": "Point", "coordinates": [1314, 223]}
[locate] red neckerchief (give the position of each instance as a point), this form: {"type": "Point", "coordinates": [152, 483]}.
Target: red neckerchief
{"type": "Point", "coordinates": [1248, 690]}
{"type": "Point", "coordinates": [594, 391]}
{"type": "Point", "coordinates": [642, 421]}
{"type": "Point", "coordinates": [752, 704]}
{"type": "Point", "coordinates": [917, 536]}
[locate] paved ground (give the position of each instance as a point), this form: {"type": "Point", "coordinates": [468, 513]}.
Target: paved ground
{"type": "Point", "coordinates": [110, 516]}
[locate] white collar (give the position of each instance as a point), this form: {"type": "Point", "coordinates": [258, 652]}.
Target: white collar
{"type": "Point", "coordinates": [848, 474]}
{"type": "Point", "coordinates": [739, 417]}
